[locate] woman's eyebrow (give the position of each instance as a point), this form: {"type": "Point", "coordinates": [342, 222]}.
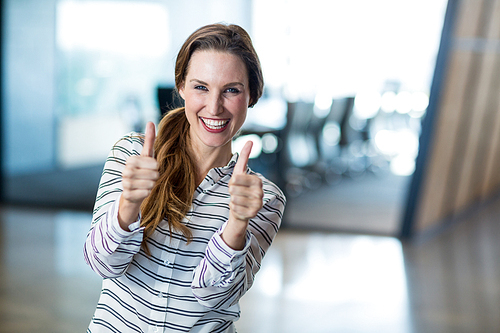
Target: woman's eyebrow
{"type": "Point", "coordinates": [198, 81]}
{"type": "Point", "coordinates": [226, 85]}
{"type": "Point", "coordinates": [234, 84]}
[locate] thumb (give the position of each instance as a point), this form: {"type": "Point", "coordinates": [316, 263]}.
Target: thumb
{"type": "Point", "coordinates": [241, 164]}
{"type": "Point", "coordinates": [149, 140]}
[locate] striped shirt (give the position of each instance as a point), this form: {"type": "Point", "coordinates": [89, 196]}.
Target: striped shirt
{"type": "Point", "coordinates": [181, 287]}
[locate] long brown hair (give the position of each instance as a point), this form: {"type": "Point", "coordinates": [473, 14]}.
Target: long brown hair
{"type": "Point", "coordinates": [172, 195]}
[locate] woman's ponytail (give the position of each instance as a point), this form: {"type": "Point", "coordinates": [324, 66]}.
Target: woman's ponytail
{"type": "Point", "coordinates": [173, 192]}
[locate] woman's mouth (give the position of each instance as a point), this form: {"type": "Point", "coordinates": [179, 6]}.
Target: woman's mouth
{"type": "Point", "coordinates": [214, 125]}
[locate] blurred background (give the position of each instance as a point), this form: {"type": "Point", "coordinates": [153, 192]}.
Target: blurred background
{"type": "Point", "coordinates": [346, 91]}
{"type": "Point", "coordinates": [380, 121]}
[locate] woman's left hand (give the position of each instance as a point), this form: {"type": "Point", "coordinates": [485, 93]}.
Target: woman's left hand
{"type": "Point", "coordinates": [246, 200]}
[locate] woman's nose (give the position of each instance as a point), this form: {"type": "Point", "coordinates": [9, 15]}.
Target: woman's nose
{"type": "Point", "coordinates": [214, 104]}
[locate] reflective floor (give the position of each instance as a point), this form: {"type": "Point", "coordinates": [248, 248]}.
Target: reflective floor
{"type": "Point", "coordinates": [309, 282]}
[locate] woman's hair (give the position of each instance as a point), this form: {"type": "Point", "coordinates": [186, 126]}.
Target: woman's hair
{"type": "Point", "coordinates": [173, 192]}
{"type": "Point", "coordinates": [172, 195]}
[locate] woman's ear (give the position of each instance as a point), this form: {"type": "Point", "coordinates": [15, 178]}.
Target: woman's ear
{"type": "Point", "coordinates": [181, 91]}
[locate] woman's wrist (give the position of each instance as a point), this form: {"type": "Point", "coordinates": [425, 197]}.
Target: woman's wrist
{"type": "Point", "coordinates": [128, 212]}
{"type": "Point", "coordinates": [234, 234]}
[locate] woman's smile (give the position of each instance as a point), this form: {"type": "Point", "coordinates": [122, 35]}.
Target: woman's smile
{"type": "Point", "coordinates": [214, 125]}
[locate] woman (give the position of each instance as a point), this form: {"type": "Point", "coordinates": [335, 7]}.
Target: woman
{"type": "Point", "coordinates": [180, 224]}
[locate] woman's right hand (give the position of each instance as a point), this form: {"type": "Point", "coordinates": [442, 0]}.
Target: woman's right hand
{"type": "Point", "coordinates": [138, 178]}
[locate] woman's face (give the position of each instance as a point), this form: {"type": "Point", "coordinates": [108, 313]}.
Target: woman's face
{"type": "Point", "coordinates": [216, 95]}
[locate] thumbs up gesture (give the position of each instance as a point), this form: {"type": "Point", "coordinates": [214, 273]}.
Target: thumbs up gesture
{"type": "Point", "coordinates": [138, 179]}
{"type": "Point", "coordinates": [246, 200]}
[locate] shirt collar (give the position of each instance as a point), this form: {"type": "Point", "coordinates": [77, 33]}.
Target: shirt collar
{"type": "Point", "coordinates": [215, 174]}
{"type": "Point", "coordinates": [232, 161]}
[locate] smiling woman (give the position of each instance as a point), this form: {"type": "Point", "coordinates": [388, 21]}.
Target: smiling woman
{"type": "Point", "coordinates": [180, 230]}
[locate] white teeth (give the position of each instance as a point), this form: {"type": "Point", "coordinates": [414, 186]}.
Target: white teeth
{"type": "Point", "coordinates": [215, 124]}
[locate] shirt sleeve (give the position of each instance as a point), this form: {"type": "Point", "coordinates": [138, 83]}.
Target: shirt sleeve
{"type": "Point", "coordinates": [225, 275]}
{"type": "Point", "coordinates": [109, 249]}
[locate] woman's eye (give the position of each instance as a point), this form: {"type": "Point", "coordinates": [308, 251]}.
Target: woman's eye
{"type": "Point", "coordinates": [232, 90]}
{"type": "Point", "coordinates": [200, 88]}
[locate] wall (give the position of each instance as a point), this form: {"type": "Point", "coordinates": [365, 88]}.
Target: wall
{"type": "Point", "coordinates": [462, 163]}
{"type": "Point", "coordinates": [28, 85]}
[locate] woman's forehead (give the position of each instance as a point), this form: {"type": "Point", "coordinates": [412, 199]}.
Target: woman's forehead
{"type": "Point", "coordinates": [211, 64]}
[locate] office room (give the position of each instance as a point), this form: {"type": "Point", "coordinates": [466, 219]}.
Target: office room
{"type": "Point", "coordinates": [378, 120]}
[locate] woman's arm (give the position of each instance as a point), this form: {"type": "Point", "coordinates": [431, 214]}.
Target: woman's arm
{"type": "Point", "coordinates": [138, 179]}
{"type": "Point", "coordinates": [109, 248]}
{"type": "Point", "coordinates": [225, 274]}
{"type": "Point", "coordinates": [246, 200]}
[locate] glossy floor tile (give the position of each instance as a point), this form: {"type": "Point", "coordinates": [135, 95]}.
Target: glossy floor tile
{"type": "Point", "coordinates": [329, 283]}
{"type": "Point", "coordinates": [309, 281]}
